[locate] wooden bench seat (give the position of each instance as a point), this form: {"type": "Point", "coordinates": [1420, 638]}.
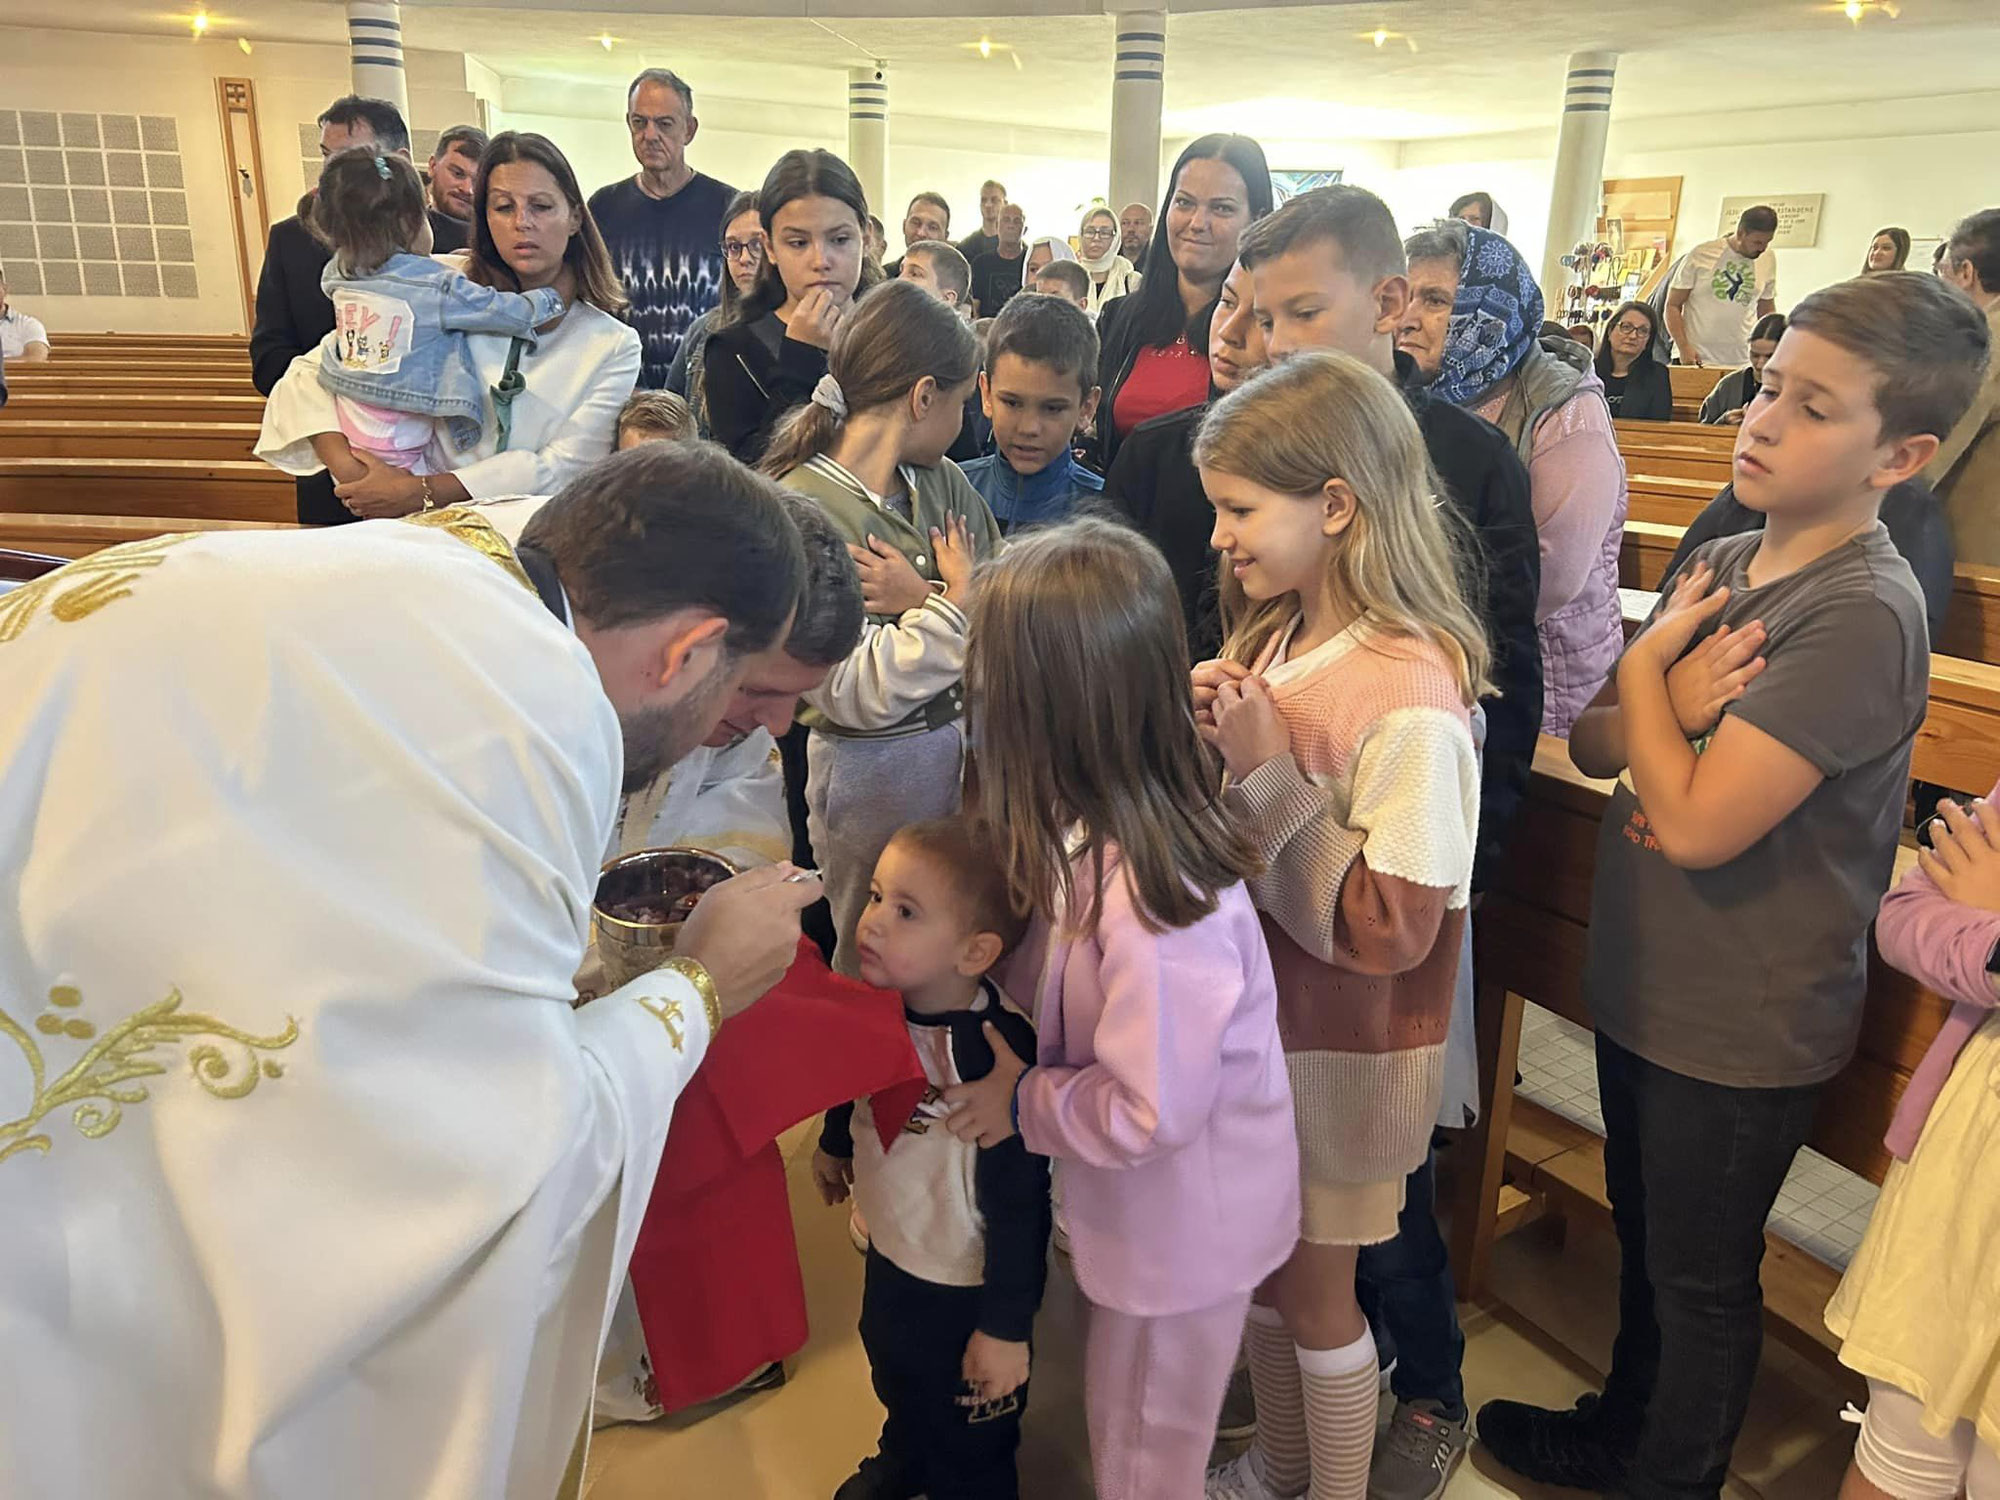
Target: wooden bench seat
{"type": "Point", "coordinates": [86, 439]}
{"type": "Point", "coordinates": [1530, 939]}
{"type": "Point", "coordinates": [52, 379]}
{"type": "Point", "coordinates": [1672, 501]}
{"type": "Point", "coordinates": [70, 406]}
{"type": "Point", "coordinates": [209, 489]}
{"type": "Point", "coordinates": [78, 536]}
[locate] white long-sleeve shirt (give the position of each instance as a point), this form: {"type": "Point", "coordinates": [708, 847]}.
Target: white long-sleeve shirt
{"type": "Point", "coordinates": [578, 377]}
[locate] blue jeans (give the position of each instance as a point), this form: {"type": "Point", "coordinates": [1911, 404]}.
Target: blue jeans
{"type": "Point", "coordinates": [1692, 1170]}
{"type": "Point", "coordinates": [1405, 1288]}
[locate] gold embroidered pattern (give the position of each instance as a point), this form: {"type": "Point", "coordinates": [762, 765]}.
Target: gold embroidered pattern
{"type": "Point", "coordinates": [99, 1084]}
{"type": "Point", "coordinates": [80, 589]}
{"type": "Point", "coordinates": [670, 1016]}
{"type": "Point", "coordinates": [462, 522]}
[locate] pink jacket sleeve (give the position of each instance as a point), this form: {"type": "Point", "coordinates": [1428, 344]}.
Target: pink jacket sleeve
{"type": "Point", "coordinates": [1168, 998]}
{"type": "Point", "coordinates": [1576, 477]}
{"type": "Point", "coordinates": [1939, 942]}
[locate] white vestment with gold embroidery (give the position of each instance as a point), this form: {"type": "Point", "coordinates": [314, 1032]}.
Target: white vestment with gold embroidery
{"type": "Point", "coordinates": [312, 1182]}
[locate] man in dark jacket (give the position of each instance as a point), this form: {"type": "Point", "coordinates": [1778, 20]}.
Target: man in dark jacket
{"type": "Point", "coordinates": [1328, 272]}
{"type": "Point", "coordinates": [293, 314]}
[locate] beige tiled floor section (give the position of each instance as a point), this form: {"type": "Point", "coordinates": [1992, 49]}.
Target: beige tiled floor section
{"type": "Point", "coordinates": [798, 1443]}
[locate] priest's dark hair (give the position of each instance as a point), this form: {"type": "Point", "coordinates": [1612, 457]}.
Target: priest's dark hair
{"type": "Point", "coordinates": [828, 625]}
{"type": "Point", "coordinates": [671, 526]}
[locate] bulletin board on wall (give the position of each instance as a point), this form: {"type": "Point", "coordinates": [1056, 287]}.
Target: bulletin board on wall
{"type": "Point", "coordinates": [1798, 217]}
{"type": "Point", "coordinates": [1635, 232]}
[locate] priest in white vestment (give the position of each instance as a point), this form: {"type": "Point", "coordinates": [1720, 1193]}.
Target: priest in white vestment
{"type": "Point", "coordinates": [313, 1182]}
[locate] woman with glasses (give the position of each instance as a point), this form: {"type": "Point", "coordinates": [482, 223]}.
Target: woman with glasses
{"type": "Point", "coordinates": [1636, 385]}
{"type": "Point", "coordinates": [1111, 274]}
{"type": "Point", "coordinates": [743, 259]}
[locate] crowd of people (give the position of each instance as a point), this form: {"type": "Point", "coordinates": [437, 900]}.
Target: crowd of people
{"type": "Point", "coordinates": [1169, 617]}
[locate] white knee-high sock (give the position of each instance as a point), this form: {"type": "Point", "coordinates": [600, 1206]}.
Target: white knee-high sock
{"type": "Point", "coordinates": [1283, 1460]}
{"type": "Point", "coordinates": [1341, 1397]}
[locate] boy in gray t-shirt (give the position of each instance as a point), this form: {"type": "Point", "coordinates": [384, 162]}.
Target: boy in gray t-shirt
{"type": "Point", "coordinates": [1760, 728]}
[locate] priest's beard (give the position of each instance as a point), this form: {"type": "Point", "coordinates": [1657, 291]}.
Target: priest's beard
{"type": "Point", "coordinates": [658, 738]}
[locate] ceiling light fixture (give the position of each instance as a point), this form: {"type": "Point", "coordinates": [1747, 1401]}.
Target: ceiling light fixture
{"type": "Point", "coordinates": [199, 24]}
{"type": "Point", "coordinates": [1381, 36]}
{"type": "Point", "coordinates": [986, 46]}
{"type": "Point", "coordinates": [243, 45]}
{"type": "Point", "coordinates": [605, 40]}
{"type": "Point", "coordinates": [1858, 11]}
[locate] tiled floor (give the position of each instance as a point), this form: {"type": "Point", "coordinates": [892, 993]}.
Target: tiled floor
{"type": "Point", "coordinates": [1822, 1208]}
{"type": "Point", "coordinates": [798, 1443]}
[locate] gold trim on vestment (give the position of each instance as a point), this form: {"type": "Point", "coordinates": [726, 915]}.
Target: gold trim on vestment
{"type": "Point", "coordinates": [478, 533]}
{"type": "Point", "coordinates": [99, 1084]}
{"type": "Point", "coordinates": [77, 590]}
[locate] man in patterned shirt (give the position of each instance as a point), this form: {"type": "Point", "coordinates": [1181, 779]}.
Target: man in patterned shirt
{"type": "Point", "coordinates": [663, 225]}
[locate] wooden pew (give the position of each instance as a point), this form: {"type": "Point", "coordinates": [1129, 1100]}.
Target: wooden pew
{"type": "Point", "coordinates": [245, 490]}
{"type": "Point", "coordinates": [67, 406]}
{"type": "Point", "coordinates": [1678, 450]}
{"type": "Point", "coordinates": [1691, 387]}
{"type": "Point", "coordinates": [49, 379]}
{"type": "Point", "coordinates": [162, 340]}
{"type": "Point", "coordinates": [1523, 1161]}
{"type": "Point", "coordinates": [1673, 502]}
{"type": "Point", "coordinates": [77, 536]}
{"type": "Point", "coordinates": [85, 439]}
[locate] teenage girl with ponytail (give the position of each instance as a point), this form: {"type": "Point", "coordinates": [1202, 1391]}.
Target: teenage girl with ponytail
{"type": "Point", "coordinates": [887, 745]}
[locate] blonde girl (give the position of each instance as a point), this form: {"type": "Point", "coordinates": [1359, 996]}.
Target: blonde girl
{"type": "Point", "coordinates": [1159, 1086]}
{"type": "Point", "coordinates": [887, 744]}
{"type": "Point", "coordinates": [1342, 711]}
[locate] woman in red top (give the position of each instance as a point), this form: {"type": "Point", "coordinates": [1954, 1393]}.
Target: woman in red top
{"type": "Point", "coordinates": [1155, 341]}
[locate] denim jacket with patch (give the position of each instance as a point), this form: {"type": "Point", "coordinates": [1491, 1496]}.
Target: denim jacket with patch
{"type": "Point", "coordinates": [398, 339]}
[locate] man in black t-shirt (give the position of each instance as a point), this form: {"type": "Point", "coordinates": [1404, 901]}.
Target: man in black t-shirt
{"type": "Point", "coordinates": [663, 226]}
{"type": "Point", "coordinates": [992, 196]}
{"type": "Point", "coordinates": [449, 178]}
{"type": "Point", "coordinates": [996, 275]}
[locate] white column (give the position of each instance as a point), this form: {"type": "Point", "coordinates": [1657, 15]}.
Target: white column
{"type": "Point", "coordinates": [1577, 196]}
{"type": "Point", "coordinates": [868, 135]}
{"type": "Point", "coordinates": [1136, 90]}
{"type": "Point", "coordinates": [375, 51]}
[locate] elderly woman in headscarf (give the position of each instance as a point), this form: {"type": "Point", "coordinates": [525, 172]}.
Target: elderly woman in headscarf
{"type": "Point", "coordinates": [1111, 274]}
{"type": "Point", "coordinates": [1474, 327]}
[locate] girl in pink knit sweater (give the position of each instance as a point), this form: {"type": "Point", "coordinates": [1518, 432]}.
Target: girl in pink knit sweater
{"type": "Point", "coordinates": [1159, 1084]}
{"type": "Point", "coordinates": [1343, 714]}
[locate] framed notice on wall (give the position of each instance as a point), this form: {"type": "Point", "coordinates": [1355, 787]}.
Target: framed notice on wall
{"type": "Point", "coordinates": [1798, 217]}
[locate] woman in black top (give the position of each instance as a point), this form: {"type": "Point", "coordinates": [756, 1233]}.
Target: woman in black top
{"type": "Point", "coordinates": [767, 361]}
{"type": "Point", "coordinates": [1220, 185]}
{"type": "Point", "coordinates": [1636, 386]}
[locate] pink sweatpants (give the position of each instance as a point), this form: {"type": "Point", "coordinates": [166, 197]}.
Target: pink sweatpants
{"type": "Point", "coordinates": [1153, 1389]}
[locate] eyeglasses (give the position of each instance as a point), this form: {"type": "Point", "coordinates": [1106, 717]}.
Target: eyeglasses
{"type": "Point", "coordinates": [1633, 328]}
{"type": "Point", "coordinates": [743, 249]}
{"type": "Point", "coordinates": [1098, 232]}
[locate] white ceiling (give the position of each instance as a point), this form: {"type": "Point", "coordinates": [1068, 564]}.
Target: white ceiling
{"type": "Point", "coordinates": [1296, 72]}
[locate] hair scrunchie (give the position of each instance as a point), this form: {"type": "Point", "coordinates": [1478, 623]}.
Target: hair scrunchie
{"type": "Point", "coordinates": [382, 168]}
{"type": "Point", "coordinates": [828, 394]}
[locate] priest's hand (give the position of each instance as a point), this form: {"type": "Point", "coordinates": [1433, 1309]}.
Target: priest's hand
{"type": "Point", "coordinates": [383, 491]}
{"type": "Point", "coordinates": [745, 932]}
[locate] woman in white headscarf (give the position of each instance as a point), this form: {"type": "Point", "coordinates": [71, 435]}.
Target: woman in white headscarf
{"type": "Point", "coordinates": [1111, 274]}
{"type": "Point", "coordinates": [1044, 252]}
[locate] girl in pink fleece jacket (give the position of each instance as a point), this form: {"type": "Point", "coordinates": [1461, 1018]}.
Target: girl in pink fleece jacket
{"type": "Point", "coordinates": [1917, 1312]}
{"type": "Point", "coordinates": [1160, 1085]}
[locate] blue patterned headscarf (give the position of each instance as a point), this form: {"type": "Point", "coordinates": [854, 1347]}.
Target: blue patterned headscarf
{"type": "Point", "coordinates": [1495, 320]}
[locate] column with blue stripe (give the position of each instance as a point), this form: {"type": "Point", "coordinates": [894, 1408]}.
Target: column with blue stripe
{"type": "Point", "coordinates": [375, 51]}
{"type": "Point", "coordinates": [868, 134]}
{"type": "Point", "coordinates": [1137, 90]}
{"type": "Point", "coordinates": [1576, 197]}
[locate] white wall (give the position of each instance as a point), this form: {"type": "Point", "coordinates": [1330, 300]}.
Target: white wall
{"type": "Point", "coordinates": [97, 73]}
{"type": "Point", "coordinates": [1921, 164]}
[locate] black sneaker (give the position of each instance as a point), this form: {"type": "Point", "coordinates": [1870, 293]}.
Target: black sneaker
{"type": "Point", "coordinates": [1578, 1449]}
{"type": "Point", "coordinates": [879, 1478]}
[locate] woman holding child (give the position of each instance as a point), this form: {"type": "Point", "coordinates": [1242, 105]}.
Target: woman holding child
{"type": "Point", "coordinates": [554, 392]}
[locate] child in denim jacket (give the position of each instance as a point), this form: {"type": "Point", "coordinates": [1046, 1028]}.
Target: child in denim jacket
{"type": "Point", "coordinates": [396, 362]}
